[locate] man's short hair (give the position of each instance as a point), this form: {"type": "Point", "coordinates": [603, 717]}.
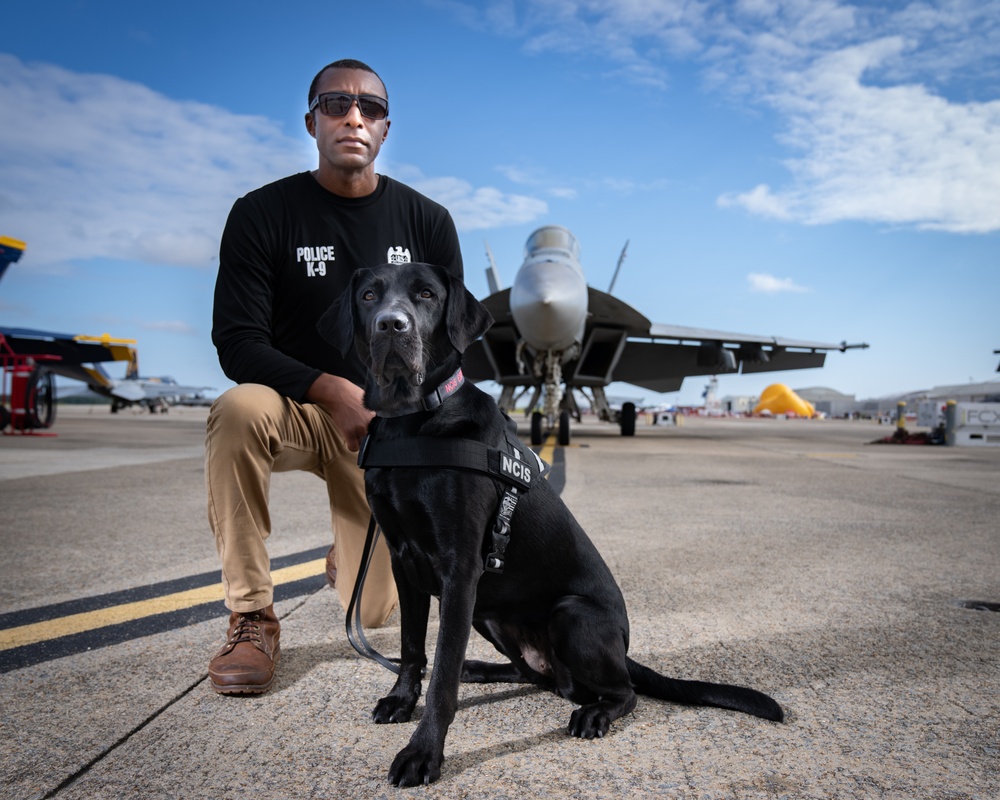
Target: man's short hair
{"type": "Point", "coordinates": [344, 63]}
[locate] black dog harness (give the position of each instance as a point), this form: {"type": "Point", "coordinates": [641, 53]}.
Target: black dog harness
{"type": "Point", "coordinates": [512, 463]}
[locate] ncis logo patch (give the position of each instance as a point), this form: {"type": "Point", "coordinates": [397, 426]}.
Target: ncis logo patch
{"type": "Point", "coordinates": [515, 470]}
{"type": "Point", "coordinates": [398, 255]}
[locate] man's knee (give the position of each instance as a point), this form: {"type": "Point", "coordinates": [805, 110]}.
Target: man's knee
{"type": "Point", "coordinates": [243, 415]}
{"type": "Point", "coordinates": [244, 407]}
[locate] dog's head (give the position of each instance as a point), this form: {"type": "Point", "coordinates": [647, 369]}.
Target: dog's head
{"type": "Point", "coordinates": [409, 324]}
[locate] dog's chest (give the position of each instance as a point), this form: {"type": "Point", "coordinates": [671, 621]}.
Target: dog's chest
{"type": "Point", "coordinates": [434, 520]}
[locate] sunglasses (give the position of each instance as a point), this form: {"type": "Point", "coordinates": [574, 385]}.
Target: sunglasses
{"type": "Point", "coordinates": [338, 104]}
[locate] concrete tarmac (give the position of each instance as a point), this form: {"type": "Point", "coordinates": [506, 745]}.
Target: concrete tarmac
{"type": "Point", "coordinates": [851, 581]}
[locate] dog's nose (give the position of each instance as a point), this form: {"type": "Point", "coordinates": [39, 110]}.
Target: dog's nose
{"type": "Point", "coordinates": [392, 322]}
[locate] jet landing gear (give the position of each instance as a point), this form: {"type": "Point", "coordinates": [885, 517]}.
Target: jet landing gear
{"type": "Point", "coordinates": [538, 428]}
{"type": "Point", "coordinates": [537, 421]}
{"type": "Point", "coordinates": [627, 419]}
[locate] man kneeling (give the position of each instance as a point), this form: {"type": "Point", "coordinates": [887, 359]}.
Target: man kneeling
{"type": "Point", "coordinates": [288, 249]}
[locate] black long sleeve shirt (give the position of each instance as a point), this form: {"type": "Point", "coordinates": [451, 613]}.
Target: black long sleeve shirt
{"type": "Point", "coordinates": [288, 250]}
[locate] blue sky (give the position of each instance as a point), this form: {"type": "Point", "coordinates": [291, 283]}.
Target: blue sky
{"type": "Point", "coordinates": [804, 168]}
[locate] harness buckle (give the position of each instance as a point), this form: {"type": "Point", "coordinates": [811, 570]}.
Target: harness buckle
{"type": "Point", "coordinates": [494, 564]}
{"type": "Point", "coordinates": [496, 559]}
{"type": "Point", "coordinates": [433, 400]}
{"type": "Point", "coordinates": [500, 533]}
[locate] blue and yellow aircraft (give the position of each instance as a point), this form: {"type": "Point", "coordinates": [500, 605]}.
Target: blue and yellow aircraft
{"type": "Point", "coordinates": [30, 358]}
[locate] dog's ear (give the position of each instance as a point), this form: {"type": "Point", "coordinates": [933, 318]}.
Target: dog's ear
{"type": "Point", "coordinates": [337, 323]}
{"type": "Point", "coordinates": [466, 317]}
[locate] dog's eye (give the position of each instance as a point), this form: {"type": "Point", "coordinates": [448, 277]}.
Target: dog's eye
{"type": "Point", "coordinates": [426, 294]}
{"type": "Point", "coordinates": [368, 296]}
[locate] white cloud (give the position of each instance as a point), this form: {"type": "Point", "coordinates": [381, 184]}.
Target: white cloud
{"type": "Point", "coordinates": [97, 166]}
{"type": "Point", "coordinates": [100, 167]}
{"type": "Point", "coordinates": [539, 181]}
{"type": "Point", "coordinates": [768, 284]}
{"type": "Point", "coordinates": [883, 106]}
{"type": "Point", "coordinates": [477, 209]}
{"type": "Point", "coordinates": [543, 183]}
{"type": "Point", "coordinates": [896, 154]}
{"type": "Point", "coordinates": [759, 200]}
{"type": "Point", "coordinates": [170, 326]}
{"type": "Point", "coordinates": [871, 143]}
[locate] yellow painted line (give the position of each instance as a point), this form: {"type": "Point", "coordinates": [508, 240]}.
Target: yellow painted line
{"type": "Point", "coordinates": [548, 451]}
{"type": "Point", "coordinates": [91, 620]}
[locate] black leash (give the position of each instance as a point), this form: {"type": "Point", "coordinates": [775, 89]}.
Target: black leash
{"type": "Point", "coordinates": [512, 468]}
{"type": "Point", "coordinates": [357, 637]}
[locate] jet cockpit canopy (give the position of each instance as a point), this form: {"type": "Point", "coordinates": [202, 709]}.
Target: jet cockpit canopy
{"type": "Point", "coordinates": [552, 237]}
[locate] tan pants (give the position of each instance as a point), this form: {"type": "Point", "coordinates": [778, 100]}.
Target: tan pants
{"type": "Point", "coordinates": [253, 431]}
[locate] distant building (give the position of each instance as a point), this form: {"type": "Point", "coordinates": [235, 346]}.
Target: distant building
{"type": "Point", "coordinates": [737, 404]}
{"type": "Point", "coordinates": [986, 392]}
{"type": "Point", "coordinates": [828, 401]}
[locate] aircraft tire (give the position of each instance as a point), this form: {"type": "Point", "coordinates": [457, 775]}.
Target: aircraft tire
{"type": "Point", "coordinates": [564, 428]}
{"type": "Point", "coordinates": [628, 419]}
{"type": "Point", "coordinates": [40, 399]}
{"type": "Point", "coordinates": [4, 417]}
{"type": "Point", "coordinates": [536, 428]}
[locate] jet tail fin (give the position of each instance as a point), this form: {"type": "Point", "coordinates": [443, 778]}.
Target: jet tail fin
{"type": "Point", "coordinates": [492, 276]}
{"type": "Point", "coordinates": [132, 372]}
{"type": "Point", "coordinates": [614, 278]}
{"type": "Point", "coordinates": [10, 251]}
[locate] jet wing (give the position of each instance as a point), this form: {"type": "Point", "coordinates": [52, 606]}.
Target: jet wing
{"type": "Point", "coordinates": [666, 354]}
{"type": "Point", "coordinates": [620, 344]}
{"type": "Point", "coordinates": [71, 349]}
{"type": "Point", "coordinates": [72, 353]}
{"type": "Point", "coordinates": [606, 310]}
{"type": "Point", "coordinates": [129, 391]}
{"type": "Point", "coordinates": [493, 356]}
{"type": "Point", "coordinates": [498, 304]}
{"type": "Point", "coordinates": [681, 332]}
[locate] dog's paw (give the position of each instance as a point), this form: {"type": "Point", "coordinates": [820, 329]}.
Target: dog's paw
{"type": "Point", "coordinates": [393, 709]}
{"type": "Point", "coordinates": [589, 722]}
{"type": "Point", "coordinates": [416, 764]}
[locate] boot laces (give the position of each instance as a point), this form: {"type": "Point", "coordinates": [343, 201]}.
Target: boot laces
{"type": "Point", "coordinates": [247, 629]}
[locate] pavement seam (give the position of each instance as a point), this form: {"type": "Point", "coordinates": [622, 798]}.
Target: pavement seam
{"type": "Point", "coordinates": [73, 778]}
{"type": "Point", "coordinates": [70, 780]}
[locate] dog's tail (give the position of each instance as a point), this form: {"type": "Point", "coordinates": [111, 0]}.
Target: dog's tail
{"type": "Point", "coordinates": [699, 693]}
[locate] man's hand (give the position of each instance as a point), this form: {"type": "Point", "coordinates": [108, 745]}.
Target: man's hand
{"type": "Point", "coordinates": [344, 402]}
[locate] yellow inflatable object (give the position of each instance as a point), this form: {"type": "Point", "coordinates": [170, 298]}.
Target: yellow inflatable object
{"type": "Point", "coordinates": [779, 399]}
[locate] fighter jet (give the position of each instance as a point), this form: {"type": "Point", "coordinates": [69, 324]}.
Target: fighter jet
{"type": "Point", "coordinates": [556, 335]}
{"type": "Point", "coordinates": [155, 394]}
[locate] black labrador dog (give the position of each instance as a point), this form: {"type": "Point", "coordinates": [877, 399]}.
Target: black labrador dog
{"type": "Point", "coordinates": [555, 611]}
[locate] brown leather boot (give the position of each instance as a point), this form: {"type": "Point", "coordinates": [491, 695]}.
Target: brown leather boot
{"type": "Point", "coordinates": [331, 566]}
{"type": "Point", "coordinates": [245, 664]}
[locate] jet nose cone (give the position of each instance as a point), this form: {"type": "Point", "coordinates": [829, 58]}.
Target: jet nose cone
{"type": "Point", "coordinates": [549, 304]}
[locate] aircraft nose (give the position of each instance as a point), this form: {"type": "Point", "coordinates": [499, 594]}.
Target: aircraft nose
{"type": "Point", "coordinates": [549, 304]}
